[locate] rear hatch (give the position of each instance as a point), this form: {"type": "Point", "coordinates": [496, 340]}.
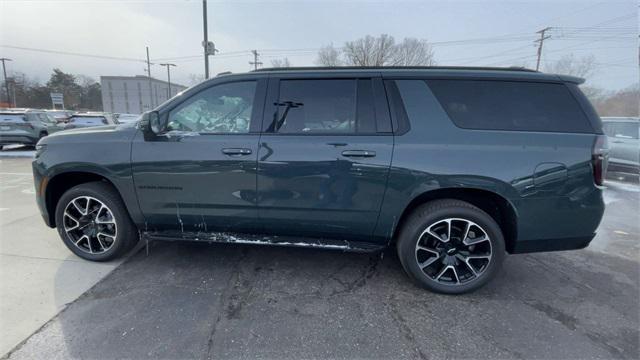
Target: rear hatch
{"type": "Point", "coordinates": [11, 123]}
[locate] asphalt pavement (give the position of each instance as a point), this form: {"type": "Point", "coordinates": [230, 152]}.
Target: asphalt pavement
{"type": "Point", "coordinates": [193, 300]}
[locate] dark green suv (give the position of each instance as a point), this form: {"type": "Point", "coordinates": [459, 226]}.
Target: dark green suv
{"type": "Point", "coordinates": [455, 167]}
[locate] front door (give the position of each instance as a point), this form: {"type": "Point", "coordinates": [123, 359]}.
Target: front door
{"type": "Point", "coordinates": [324, 157]}
{"type": "Point", "coordinates": [200, 177]}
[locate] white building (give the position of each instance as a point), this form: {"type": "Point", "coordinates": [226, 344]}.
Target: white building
{"type": "Point", "coordinates": [134, 94]}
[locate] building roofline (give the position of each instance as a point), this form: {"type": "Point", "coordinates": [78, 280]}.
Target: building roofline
{"type": "Point", "coordinates": [140, 77]}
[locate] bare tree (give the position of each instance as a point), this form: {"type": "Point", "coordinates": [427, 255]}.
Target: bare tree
{"type": "Point", "coordinates": [413, 52]}
{"type": "Point", "coordinates": [625, 102]}
{"type": "Point", "coordinates": [378, 51]}
{"type": "Point", "coordinates": [195, 79]}
{"type": "Point", "coordinates": [280, 63]}
{"type": "Point", "coordinates": [328, 56]}
{"type": "Point", "coordinates": [583, 67]}
{"type": "Point", "coordinates": [370, 51]}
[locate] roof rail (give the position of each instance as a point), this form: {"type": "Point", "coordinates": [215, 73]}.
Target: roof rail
{"type": "Point", "coordinates": [513, 68]}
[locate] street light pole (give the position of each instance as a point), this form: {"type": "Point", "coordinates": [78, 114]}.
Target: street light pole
{"type": "Point", "coordinates": [205, 43]}
{"type": "Point", "coordinates": [168, 65]}
{"type": "Point", "coordinates": [6, 84]}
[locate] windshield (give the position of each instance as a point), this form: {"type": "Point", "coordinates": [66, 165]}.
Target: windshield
{"type": "Point", "coordinates": [11, 118]}
{"type": "Point", "coordinates": [88, 120]}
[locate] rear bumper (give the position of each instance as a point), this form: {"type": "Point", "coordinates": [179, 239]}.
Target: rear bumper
{"type": "Point", "coordinates": [18, 139]}
{"type": "Point", "coordinates": [574, 243]}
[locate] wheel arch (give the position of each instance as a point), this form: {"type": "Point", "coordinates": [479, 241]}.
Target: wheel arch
{"type": "Point", "coordinates": [498, 207]}
{"type": "Point", "coordinates": [58, 184]}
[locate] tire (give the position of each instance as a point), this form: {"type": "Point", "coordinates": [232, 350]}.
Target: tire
{"type": "Point", "coordinates": [457, 265]}
{"type": "Point", "coordinates": [104, 229]}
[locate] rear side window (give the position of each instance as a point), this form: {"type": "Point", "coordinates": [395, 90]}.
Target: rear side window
{"type": "Point", "coordinates": [510, 105]}
{"type": "Point", "coordinates": [326, 106]}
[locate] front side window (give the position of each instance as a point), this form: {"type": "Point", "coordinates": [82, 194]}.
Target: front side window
{"type": "Point", "coordinates": [316, 106]}
{"type": "Point", "coordinates": [224, 108]}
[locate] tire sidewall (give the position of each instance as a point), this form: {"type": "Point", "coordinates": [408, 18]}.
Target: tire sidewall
{"type": "Point", "coordinates": [119, 215]}
{"type": "Point", "coordinates": [415, 227]}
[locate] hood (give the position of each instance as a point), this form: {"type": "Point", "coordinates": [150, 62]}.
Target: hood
{"type": "Point", "coordinates": [117, 132]}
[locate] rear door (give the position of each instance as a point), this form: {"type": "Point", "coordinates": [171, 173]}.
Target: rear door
{"type": "Point", "coordinates": [324, 158]}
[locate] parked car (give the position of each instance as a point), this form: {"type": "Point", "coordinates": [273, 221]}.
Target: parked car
{"type": "Point", "coordinates": [83, 120]}
{"type": "Point", "coordinates": [127, 118]}
{"type": "Point", "coordinates": [623, 133]}
{"type": "Point", "coordinates": [61, 116]}
{"type": "Point", "coordinates": [454, 167]}
{"type": "Point", "coordinates": [25, 126]}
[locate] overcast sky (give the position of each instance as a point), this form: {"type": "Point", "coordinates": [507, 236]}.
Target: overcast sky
{"type": "Point", "coordinates": [502, 33]}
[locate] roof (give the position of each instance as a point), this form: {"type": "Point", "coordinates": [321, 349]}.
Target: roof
{"type": "Point", "coordinates": [18, 110]}
{"type": "Point", "coordinates": [385, 68]}
{"type": "Point", "coordinates": [460, 72]}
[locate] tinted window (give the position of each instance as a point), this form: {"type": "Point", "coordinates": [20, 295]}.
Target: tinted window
{"type": "Point", "coordinates": [224, 108]}
{"type": "Point", "coordinates": [317, 106]}
{"type": "Point", "coordinates": [510, 105]}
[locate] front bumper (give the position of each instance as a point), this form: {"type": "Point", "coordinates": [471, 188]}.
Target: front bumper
{"type": "Point", "coordinates": [40, 183]}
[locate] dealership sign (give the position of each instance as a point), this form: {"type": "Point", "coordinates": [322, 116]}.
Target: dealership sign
{"type": "Point", "coordinates": [57, 99]}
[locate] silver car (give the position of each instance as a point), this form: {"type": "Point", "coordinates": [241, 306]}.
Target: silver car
{"type": "Point", "coordinates": [25, 126]}
{"type": "Point", "coordinates": [623, 134]}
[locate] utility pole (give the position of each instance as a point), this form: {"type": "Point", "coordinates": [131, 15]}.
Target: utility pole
{"type": "Point", "coordinates": [149, 75]}
{"type": "Point", "coordinates": [6, 84]}
{"type": "Point", "coordinates": [255, 61]}
{"type": "Point", "coordinates": [540, 42]}
{"type": "Point", "coordinates": [168, 65]}
{"type": "Point", "coordinates": [205, 43]}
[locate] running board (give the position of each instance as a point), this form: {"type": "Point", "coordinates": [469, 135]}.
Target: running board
{"type": "Point", "coordinates": [256, 239]}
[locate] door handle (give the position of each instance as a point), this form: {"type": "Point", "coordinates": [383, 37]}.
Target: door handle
{"type": "Point", "coordinates": [359, 153]}
{"type": "Point", "coordinates": [236, 151]}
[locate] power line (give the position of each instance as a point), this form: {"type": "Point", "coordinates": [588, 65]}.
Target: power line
{"type": "Point", "coordinates": [72, 53]}
{"type": "Point", "coordinates": [540, 43]}
{"type": "Point", "coordinates": [255, 61]}
{"type": "Point", "coordinates": [6, 84]}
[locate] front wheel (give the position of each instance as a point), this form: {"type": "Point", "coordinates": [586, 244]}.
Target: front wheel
{"type": "Point", "coordinates": [451, 246]}
{"type": "Point", "coordinates": [93, 222]}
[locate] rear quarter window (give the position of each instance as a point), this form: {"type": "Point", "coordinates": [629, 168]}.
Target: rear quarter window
{"type": "Point", "coordinates": [510, 105]}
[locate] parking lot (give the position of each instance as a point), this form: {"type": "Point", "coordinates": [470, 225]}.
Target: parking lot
{"type": "Point", "coordinates": [187, 300]}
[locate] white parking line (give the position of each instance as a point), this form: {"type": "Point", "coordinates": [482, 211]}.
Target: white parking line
{"type": "Point", "coordinates": [13, 173]}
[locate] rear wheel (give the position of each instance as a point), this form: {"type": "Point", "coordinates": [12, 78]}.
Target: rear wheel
{"type": "Point", "coordinates": [451, 246]}
{"type": "Point", "coordinates": [93, 222]}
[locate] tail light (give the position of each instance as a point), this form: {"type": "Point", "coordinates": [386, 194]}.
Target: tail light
{"type": "Point", "coordinates": [600, 158]}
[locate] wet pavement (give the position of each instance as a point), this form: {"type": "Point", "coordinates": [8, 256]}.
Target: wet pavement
{"type": "Point", "coordinates": [193, 300]}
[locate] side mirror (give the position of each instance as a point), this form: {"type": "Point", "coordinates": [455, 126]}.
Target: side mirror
{"type": "Point", "coordinates": [153, 122]}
